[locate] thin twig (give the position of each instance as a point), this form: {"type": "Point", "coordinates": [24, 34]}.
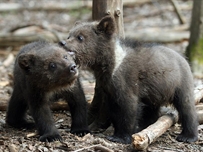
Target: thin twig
{"type": "Point", "coordinates": [177, 10]}
{"type": "Point", "coordinates": [98, 147]}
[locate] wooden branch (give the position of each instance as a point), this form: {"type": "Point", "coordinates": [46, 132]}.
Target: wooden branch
{"type": "Point", "coordinates": [177, 10]}
{"type": "Point", "coordinates": [198, 94]}
{"type": "Point", "coordinates": [55, 106]}
{"type": "Point", "coordinates": [61, 7]}
{"type": "Point", "coordinates": [16, 40]}
{"type": "Point", "coordinates": [21, 39]}
{"type": "Point", "coordinates": [199, 107]}
{"type": "Point", "coordinates": [152, 13]}
{"type": "Point", "coordinates": [141, 140]}
{"type": "Point", "coordinates": [158, 36]}
{"type": "Point", "coordinates": [96, 147]}
{"type": "Point", "coordinates": [9, 60]}
{"type": "Point", "coordinates": [132, 3]}
{"type": "Point", "coordinates": [102, 148]}
{"type": "Point", "coordinates": [60, 105]}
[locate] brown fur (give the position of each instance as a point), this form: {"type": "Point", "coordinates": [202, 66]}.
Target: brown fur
{"type": "Point", "coordinates": [134, 79]}
{"type": "Point", "coordinates": [42, 69]}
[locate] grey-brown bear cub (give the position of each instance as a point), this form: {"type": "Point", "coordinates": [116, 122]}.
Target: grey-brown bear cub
{"type": "Point", "coordinates": [41, 70]}
{"type": "Point", "coordinates": [134, 78]}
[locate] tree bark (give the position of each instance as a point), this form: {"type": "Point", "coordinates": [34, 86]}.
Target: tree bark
{"type": "Point", "coordinates": [101, 8]}
{"type": "Point", "coordinates": [195, 48]}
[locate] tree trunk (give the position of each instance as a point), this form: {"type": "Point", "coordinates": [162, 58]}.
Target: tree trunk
{"type": "Point", "coordinates": [98, 116]}
{"type": "Point", "coordinates": [100, 8]}
{"type": "Point", "coordinates": [194, 50]}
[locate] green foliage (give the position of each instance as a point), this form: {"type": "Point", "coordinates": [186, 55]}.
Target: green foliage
{"type": "Point", "coordinates": [195, 55]}
{"type": "Point", "coordinates": [196, 52]}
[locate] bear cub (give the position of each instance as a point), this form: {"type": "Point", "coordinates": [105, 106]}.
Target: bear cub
{"type": "Point", "coordinates": [135, 79]}
{"type": "Point", "coordinates": [41, 70]}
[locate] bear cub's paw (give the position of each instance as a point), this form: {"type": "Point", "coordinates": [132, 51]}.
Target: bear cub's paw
{"type": "Point", "coordinates": [80, 133]}
{"type": "Point", "coordinates": [50, 138]}
{"type": "Point", "coordinates": [187, 138]}
{"type": "Point", "coordinates": [123, 140]}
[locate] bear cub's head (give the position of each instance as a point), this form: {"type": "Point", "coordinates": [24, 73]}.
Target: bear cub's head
{"type": "Point", "coordinates": [90, 41]}
{"type": "Point", "coordinates": [47, 66]}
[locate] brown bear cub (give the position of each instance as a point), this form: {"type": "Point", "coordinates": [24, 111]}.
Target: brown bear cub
{"type": "Point", "coordinates": [136, 79]}
{"type": "Point", "coordinates": [41, 70]}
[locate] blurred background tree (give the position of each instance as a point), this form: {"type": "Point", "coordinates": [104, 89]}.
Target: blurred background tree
{"type": "Point", "coordinates": [194, 50]}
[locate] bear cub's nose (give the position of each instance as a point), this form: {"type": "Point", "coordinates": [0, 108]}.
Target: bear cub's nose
{"type": "Point", "coordinates": [62, 43]}
{"type": "Point", "coordinates": [73, 68]}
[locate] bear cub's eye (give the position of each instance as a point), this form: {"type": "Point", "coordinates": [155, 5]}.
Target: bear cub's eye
{"type": "Point", "coordinates": [52, 66]}
{"type": "Point", "coordinates": [80, 38]}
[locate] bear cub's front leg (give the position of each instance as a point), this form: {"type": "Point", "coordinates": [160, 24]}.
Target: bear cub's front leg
{"type": "Point", "coordinates": [41, 70]}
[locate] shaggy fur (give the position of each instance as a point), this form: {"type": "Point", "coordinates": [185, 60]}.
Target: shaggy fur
{"type": "Point", "coordinates": [42, 69]}
{"type": "Point", "coordinates": [133, 79]}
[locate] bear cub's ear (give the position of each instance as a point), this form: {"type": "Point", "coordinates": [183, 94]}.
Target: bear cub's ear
{"type": "Point", "coordinates": [25, 61]}
{"type": "Point", "coordinates": [107, 25]}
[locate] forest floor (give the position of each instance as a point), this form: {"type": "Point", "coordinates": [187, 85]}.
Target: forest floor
{"type": "Point", "coordinates": [156, 16]}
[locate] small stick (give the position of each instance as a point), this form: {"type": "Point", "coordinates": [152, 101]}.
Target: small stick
{"type": "Point", "coordinates": [180, 17]}
{"type": "Point", "coordinates": [200, 116]}
{"type": "Point", "coordinates": [9, 60]}
{"type": "Point", "coordinates": [103, 149]}
{"type": "Point", "coordinates": [31, 135]}
{"type": "Point", "coordinates": [59, 105]}
{"type": "Point", "coordinates": [198, 91]}
{"type": "Point", "coordinates": [96, 147]}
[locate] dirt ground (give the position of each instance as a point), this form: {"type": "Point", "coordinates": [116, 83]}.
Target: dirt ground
{"type": "Point", "coordinates": [158, 14]}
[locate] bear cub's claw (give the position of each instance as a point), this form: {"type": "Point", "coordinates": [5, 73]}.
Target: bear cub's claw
{"type": "Point", "coordinates": [187, 138]}
{"type": "Point", "coordinates": [123, 140]}
{"type": "Point", "coordinates": [80, 133]}
{"type": "Point", "coordinates": [50, 138]}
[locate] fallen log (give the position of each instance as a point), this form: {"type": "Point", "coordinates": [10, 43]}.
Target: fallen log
{"type": "Point", "coordinates": [59, 105]}
{"type": "Point", "coordinates": [158, 36]}
{"type": "Point", "coordinates": [9, 39]}
{"type": "Point", "coordinates": [55, 106]}
{"type": "Point", "coordinates": [52, 6]}
{"type": "Point", "coordinates": [141, 140]}
{"type": "Point", "coordinates": [15, 40]}
{"type": "Point", "coordinates": [60, 7]}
